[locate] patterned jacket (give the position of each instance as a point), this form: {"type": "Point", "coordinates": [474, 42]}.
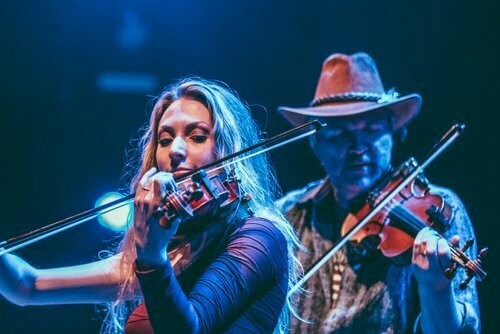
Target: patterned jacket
{"type": "Point", "coordinates": [356, 293]}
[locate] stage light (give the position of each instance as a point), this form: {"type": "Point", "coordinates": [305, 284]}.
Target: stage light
{"type": "Point", "coordinates": [122, 82]}
{"type": "Point", "coordinates": [117, 219]}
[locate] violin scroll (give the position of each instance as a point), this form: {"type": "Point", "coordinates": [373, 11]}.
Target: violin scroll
{"type": "Point", "coordinates": [472, 268]}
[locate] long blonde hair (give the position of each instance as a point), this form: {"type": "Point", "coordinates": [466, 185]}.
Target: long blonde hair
{"type": "Point", "coordinates": [234, 129]}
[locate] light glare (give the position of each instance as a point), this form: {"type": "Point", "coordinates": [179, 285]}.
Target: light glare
{"type": "Point", "coordinates": [117, 219]}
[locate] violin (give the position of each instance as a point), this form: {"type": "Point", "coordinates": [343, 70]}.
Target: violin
{"type": "Point", "coordinates": [205, 192]}
{"type": "Point", "coordinates": [393, 229]}
{"type": "Point", "coordinates": [195, 202]}
{"type": "Point", "coordinates": [201, 196]}
{"type": "Point", "coordinates": [397, 211]}
{"type": "Point", "coordinates": [397, 224]}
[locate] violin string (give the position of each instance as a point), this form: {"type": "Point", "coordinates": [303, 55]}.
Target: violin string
{"type": "Point", "coordinates": [467, 262]}
{"type": "Point", "coordinates": [403, 214]}
{"type": "Point", "coordinates": [457, 255]}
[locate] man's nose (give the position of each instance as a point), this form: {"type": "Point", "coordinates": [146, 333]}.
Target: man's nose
{"type": "Point", "coordinates": [358, 142]}
{"type": "Point", "coordinates": [178, 150]}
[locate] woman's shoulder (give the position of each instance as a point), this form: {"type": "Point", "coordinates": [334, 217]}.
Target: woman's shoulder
{"type": "Point", "coordinates": [258, 232]}
{"type": "Point", "coordinates": [264, 242]}
{"type": "Point", "coordinates": [260, 225]}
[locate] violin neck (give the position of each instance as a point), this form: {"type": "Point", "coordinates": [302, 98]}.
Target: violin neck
{"type": "Point", "coordinates": [410, 223]}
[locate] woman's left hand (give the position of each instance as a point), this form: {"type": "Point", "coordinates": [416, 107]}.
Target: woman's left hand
{"type": "Point", "coordinates": [431, 256]}
{"type": "Point", "coordinates": [151, 240]}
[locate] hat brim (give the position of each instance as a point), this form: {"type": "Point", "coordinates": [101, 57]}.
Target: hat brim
{"type": "Point", "coordinates": [404, 109]}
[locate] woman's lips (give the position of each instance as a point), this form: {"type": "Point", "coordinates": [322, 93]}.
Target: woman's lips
{"type": "Point", "coordinates": [178, 172]}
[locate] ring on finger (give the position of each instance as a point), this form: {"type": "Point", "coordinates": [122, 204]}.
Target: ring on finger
{"type": "Point", "coordinates": [146, 185]}
{"type": "Point", "coordinates": [422, 249]}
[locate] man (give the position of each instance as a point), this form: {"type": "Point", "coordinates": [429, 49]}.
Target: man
{"type": "Point", "coordinates": [359, 290]}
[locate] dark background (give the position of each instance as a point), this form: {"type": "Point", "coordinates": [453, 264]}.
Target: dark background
{"type": "Point", "coordinates": [64, 136]}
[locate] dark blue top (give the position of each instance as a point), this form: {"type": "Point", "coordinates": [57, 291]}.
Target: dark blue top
{"type": "Point", "coordinates": [241, 287]}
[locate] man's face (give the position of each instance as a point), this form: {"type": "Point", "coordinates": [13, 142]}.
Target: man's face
{"type": "Point", "coordinates": [355, 150]}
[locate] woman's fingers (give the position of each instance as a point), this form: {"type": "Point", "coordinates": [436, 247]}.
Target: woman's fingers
{"type": "Point", "coordinates": [145, 178]}
{"type": "Point", "coordinates": [162, 183]}
{"type": "Point", "coordinates": [152, 189]}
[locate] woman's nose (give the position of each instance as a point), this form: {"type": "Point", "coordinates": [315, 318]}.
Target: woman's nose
{"type": "Point", "coordinates": [178, 150]}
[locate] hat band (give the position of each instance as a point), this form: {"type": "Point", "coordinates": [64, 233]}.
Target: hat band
{"type": "Point", "coordinates": [346, 97]}
{"type": "Point", "coordinates": [355, 97]}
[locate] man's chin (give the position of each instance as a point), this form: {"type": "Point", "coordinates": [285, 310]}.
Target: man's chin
{"type": "Point", "coordinates": [357, 183]}
{"type": "Point", "coordinates": [359, 171]}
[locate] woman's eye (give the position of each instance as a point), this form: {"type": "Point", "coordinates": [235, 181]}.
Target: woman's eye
{"type": "Point", "coordinates": [199, 138]}
{"type": "Point", "coordinates": [165, 142]}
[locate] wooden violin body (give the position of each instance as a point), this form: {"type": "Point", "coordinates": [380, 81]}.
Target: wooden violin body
{"type": "Point", "coordinates": [202, 195]}
{"type": "Point", "coordinates": [414, 207]}
{"type": "Point", "coordinates": [393, 228]}
{"type": "Point", "coordinates": [201, 203]}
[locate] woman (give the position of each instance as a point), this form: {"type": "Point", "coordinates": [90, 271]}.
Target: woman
{"type": "Point", "coordinates": [240, 280]}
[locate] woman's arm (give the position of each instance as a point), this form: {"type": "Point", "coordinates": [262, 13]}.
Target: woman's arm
{"type": "Point", "coordinates": [94, 282]}
{"type": "Point", "coordinates": [244, 287]}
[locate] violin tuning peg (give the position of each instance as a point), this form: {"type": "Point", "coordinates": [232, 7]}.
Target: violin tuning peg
{"type": "Point", "coordinates": [246, 197]}
{"type": "Point", "coordinates": [250, 211]}
{"type": "Point", "coordinates": [194, 191]}
{"type": "Point", "coordinates": [197, 194]}
{"type": "Point", "coordinates": [455, 241]}
{"type": "Point", "coordinates": [465, 282]}
{"type": "Point", "coordinates": [483, 253]}
{"type": "Point", "coordinates": [372, 197]}
{"type": "Point", "coordinates": [451, 271]}
{"type": "Point", "coordinates": [467, 244]}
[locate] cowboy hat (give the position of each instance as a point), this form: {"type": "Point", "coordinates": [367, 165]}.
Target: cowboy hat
{"type": "Point", "coordinates": [350, 85]}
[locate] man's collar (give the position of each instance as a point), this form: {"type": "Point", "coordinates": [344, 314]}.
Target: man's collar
{"type": "Point", "coordinates": [319, 193]}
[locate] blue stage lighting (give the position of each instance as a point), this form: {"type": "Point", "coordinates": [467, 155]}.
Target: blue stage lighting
{"type": "Point", "coordinates": [117, 219]}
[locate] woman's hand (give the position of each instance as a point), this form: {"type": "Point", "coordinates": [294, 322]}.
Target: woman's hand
{"type": "Point", "coordinates": [431, 256]}
{"type": "Point", "coordinates": [151, 240]}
